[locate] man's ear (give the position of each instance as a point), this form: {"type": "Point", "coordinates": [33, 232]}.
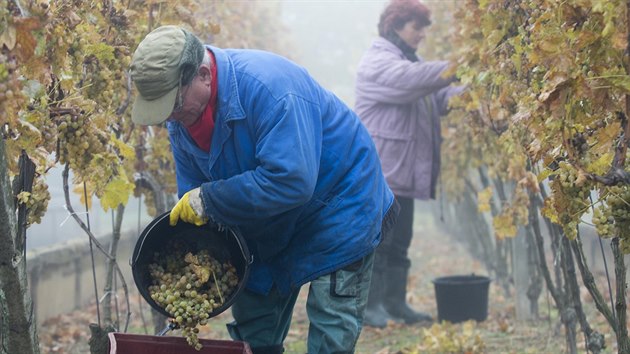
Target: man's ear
{"type": "Point", "coordinates": [205, 74]}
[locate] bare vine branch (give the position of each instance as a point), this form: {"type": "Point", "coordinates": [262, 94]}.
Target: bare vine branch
{"type": "Point", "coordinates": [589, 281]}
{"type": "Point", "coordinates": [99, 246]}
{"type": "Point", "coordinates": [614, 177]}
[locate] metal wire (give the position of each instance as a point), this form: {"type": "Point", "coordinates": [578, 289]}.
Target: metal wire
{"type": "Point", "coordinates": [87, 215]}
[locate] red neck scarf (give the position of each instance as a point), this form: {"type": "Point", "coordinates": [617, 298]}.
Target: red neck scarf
{"type": "Point", "coordinates": [201, 130]}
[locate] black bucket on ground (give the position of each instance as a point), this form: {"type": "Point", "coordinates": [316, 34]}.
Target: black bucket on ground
{"type": "Point", "coordinates": [462, 297]}
{"type": "Point", "coordinates": [224, 245]}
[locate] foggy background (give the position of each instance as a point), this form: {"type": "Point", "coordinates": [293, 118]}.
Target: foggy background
{"type": "Point", "coordinates": [330, 37]}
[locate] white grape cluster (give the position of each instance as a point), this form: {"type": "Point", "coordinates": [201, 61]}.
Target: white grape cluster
{"type": "Point", "coordinates": [8, 86]}
{"type": "Point", "coordinates": [37, 201]}
{"type": "Point", "coordinates": [571, 197]}
{"type": "Point", "coordinates": [80, 141]}
{"type": "Point", "coordinates": [190, 286]}
{"type": "Point", "coordinates": [612, 217]}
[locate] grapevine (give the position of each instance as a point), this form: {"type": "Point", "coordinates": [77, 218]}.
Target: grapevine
{"type": "Point", "coordinates": [534, 84]}
{"type": "Point", "coordinates": [548, 88]}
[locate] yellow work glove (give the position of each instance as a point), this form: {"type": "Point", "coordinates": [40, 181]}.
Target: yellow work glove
{"type": "Point", "coordinates": [189, 209]}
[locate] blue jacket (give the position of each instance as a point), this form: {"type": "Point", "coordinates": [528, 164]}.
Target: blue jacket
{"type": "Point", "coordinates": [290, 167]}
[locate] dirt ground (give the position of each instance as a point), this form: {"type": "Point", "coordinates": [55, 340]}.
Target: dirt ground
{"type": "Point", "coordinates": [434, 254]}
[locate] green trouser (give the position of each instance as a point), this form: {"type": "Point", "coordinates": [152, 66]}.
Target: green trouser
{"type": "Point", "coordinates": [335, 307]}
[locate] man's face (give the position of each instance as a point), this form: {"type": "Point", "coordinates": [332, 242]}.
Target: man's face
{"type": "Point", "coordinates": [412, 33]}
{"type": "Point", "coordinates": [192, 99]}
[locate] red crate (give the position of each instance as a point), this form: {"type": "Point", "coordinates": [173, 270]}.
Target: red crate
{"type": "Point", "coordinates": [123, 343]}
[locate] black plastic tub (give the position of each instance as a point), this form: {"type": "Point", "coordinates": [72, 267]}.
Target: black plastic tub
{"type": "Point", "coordinates": [462, 297]}
{"type": "Point", "coordinates": [223, 245]}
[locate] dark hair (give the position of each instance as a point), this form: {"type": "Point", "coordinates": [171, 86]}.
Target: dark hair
{"type": "Point", "coordinates": [399, 12]}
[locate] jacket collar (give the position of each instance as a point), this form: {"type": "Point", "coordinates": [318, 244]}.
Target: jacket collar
{"type": "Point", "coordinates": [228, 100]}
{"type": "Point", "coordinates": [381, 43]}
{"type": "Point", "coordinates": [228, 108]}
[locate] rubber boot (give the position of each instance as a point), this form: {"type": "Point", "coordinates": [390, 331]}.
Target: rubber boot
{"type": "Point", "coordinates": [375, 314]}
{"type": "Point", "coordinates": [395, 301]}
{"type": "Point", "coordinates": [271, 349]}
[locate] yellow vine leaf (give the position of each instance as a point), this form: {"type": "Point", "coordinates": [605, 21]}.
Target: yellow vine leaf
{"type": "Point", "coordinates": [534, 58]}
{"type": "Point", "coordinates": [25, 39]}
{"type": "Point", "coordinates": [102, 51]}
{"type": "Point", "coordinates": [516, 164]}
{"type": "Point", "coordinates": [550, 45]}
{"type": "Point", "coordinates": [549, 212]}
{"type": "Point", "coordinates": [544, 174]}
{"type": "Point", "coordinates": [581, 178]}
{"type": "Point", "coordinates": [117, 192]}
{"type": "Point", "coordinates": [555, 82]}
{"type": "Point", "coordinates": [448, 338]}
{"type": "Point", "coordinates": [521, 117]}
{"type": "Point", "coordinates": [78, 190]}
{"type": "Point", "coordinates": [494, 37]}
{"type": "Point", "coordinates": [8, 38]}
{"type": "Point", "coordinates": [534, 148]}
{"type": "Point", "coordinates": [475, 100]}
{"type": "Point", "coordinates": [604, 135]}
{"type": "Point", "coordinates": [585, 38]}
{"type": "Point", "coordinates": [530, 181]}
{"type": "Point", "coordinates": [608, 29]}
{"type": "Point", "coordinates": [621, 82]}
{"type": "Point", "coordinates": [602, 164]}
{"type": "Point", "coordinates": [483, 200]}
{"type": "Point", "coordinates": [203, 273]}
{"type": "Point", "coordinates": [215, 28]}
{"type": "Point", "coordinates": [504, 226]}
{"type": "Point", "coordinates": [619, 40]}
{"type": "Point", "coordinates": [125, 150]}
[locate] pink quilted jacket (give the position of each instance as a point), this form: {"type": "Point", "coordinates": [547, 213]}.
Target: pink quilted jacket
{"type": "Point", "coordinates": [400, 102]}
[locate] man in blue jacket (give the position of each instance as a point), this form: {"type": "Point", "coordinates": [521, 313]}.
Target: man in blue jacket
{"type": "Point", "coordinates": [262, 148]}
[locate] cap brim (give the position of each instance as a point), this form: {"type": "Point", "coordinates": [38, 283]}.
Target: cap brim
{"type": "Point", "coordinates": [153, 112]}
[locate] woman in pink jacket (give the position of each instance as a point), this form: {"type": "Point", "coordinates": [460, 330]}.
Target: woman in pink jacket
{"type": "Point", "coordinates": [400, 98]}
